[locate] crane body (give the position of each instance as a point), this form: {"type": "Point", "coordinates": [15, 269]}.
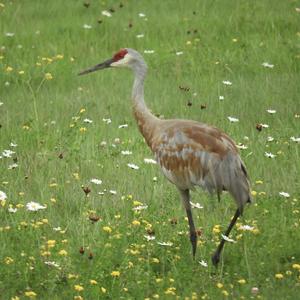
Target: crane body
{"type": "Point", "coordinates": [189, 153]}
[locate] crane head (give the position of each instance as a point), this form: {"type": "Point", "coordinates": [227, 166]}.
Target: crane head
{"type": "Point", "coordinates": [122, 58]}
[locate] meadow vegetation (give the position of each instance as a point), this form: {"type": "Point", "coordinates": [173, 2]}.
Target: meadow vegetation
{"type": "Point", "coordinates": [83, 215]}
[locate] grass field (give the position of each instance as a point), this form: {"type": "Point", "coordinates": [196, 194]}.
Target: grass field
{"type": "Point", "coordinates": [87, 240]}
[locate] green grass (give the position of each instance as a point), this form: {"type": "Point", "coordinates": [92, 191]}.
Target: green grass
{"type": "Point", "coordinates": [55, 158]}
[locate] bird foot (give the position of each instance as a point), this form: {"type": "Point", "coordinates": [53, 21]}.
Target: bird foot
{"type": "Point", "coordinates": [215, 259]}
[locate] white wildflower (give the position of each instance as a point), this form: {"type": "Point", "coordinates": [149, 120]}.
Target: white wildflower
{"type": "Point", "coordinates": [270, 139]}
{"type": "Point", "coordinates": [149, 237]}
{"type": "Point", "coordinates": [52, 264]}
{"type": "Point", "coordinates": [89, 121]}
{"type": "Point", "coordinates": [107, 121]}
{"type": "Point", "coordinates": [142, 15]}
{"type": "Point", "coordinates": [126, 152]}
{"type": "Point", "coordinates": [96, 181]}
{"type": "Point", "coordinates": [264, 125]}
{"type": "Point", "coordinates": [9, 34]}
{"type": "Point", "coordinates": [241, 146]}
{"type": "Point", "coordinates": [196, 205]}
{"type": "Point", "coordinates": [13, 145]}
{"type": "Point", "coordinates": [7, 153]}
{"type": "Point", "coordinates": [139, 36]}
{"type": "Point", "coordinates": [150, 161]}
{"type": "Point", "coordinates": [203, 263]}
{"type": "Point", "coordinates": [3, 196]}
{"type": "Point", "coordinates": [270, 155]}
{"type": "Point", "coordinates": [294, 139]}
{"type": "Point", "coordinates": [133, 166]}
{"type": "Point", "coordinates": [284, 194]}
{"type": "Point", "coordinates": [149, 51]}
{"type": "Point", "coordinates": [57, 228]}
{"type": "Point", "coordinates": [267, 65]}
{"type": "Point", "coordinates": [233, 119]}
{"type": "Point", "coordinates": [221, 98]}
{"type": "Point", "coordinates": [179, 53]}
{"type": "Point", "coordinates": [123, 126]}
{"type": "Point", "coordinates": [246, 227]}
{"type": "Point", "coordinates": [167, 244]}
{"type": "Point", "coordinates": [112, 192]}
{"type": "Point", "coordinates": [86, 26]}
{"type": "Point", "coordinates": [227, 239]}
{"type": "Point", "coordinates": [227, 82]}
{"type": "Point", "coordinates": [12, 210]}
{"type": "Point", "coordinates": [34, 206]}
{"type": "Point", "coordinates": [106, 13]}
{"type": "Point", "coordinates": [12, 166]}
{"type": "Point", "coordinates": [271, 111]}
{"type": "Point", "coordinates": [140, 207]}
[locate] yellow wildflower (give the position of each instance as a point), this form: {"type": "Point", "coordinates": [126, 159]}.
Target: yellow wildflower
{"type": "Point", "coordinates": [107, 229]}
{"type": "Point", "coordinates": [30, 294]}
{"type": "Point", "coordinates": [78, 287]}
{"type": "Point", "coordinates": [78, 297]}
{"type": "Point", "coordinates": [241, 281]}
{"type": "Point", "coordinates": [137, 203]}
{"type": "Point", "coordinates": [21, 72]}
{"type": "Point", "coordinates": [51, 243]}
{"type": "Point", "coordinates": [82, 129]}
{"type": "Point", "coordinates": [219, 285]}
{"type": "Point", "coordinates": [48, 76]}
{"type": "Point", "coordinates": [253, 193]}
{"type": "Point", "coordinates": [59, 56]}
{"type": "Point", "coordinates": [225, 293]}
{"type": "Point", "coordinates": [279, 276]}
{"type": "Point", "coordinates": [15, 298]}
{"type": "Point", "coordinates": [8, 260]}
{"type": "Point", "coordinates": [72, 276]}
{"type": "Point", "coordinates": [115, 274]}
{"type": "Point", "coordinates": [63, 252]}
{"type": "Point", "coordinates": [296, 266]}
{"type": "Point", "coordinates": [171, 291]}
{"type": "Point", "coordinates": [216, 229]}
{"type": "Point", "coordinates": [155, 260]}
{"type": "Point", "coordinates": [136, 223]}
{"type": "Point", "coordinates": [103, 290]}
{"type": "Point", "coordinates": [82, 110]}
{"type": "Point", "coordinates": [93, 282]}
{"type": "Point", "coordinates": [9, 69]}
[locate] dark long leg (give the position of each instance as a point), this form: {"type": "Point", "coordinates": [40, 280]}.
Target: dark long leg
{"type": "Point", "coordinates": [185, 195]}
{"type": "Point", "coordinates": [216, 256]}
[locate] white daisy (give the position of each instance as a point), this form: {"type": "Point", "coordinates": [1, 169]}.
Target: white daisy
{"type": "Point", "coordinates": [106, 13]}
{"type": "Point", "coordinates": [86, 26]}
{"type": "Point", "coordinates": [142, 15]}
{"type": "Point", "coordinates": [271, 111]}
{"type": "Point", "coordinates": [246, 227]}
{"type": "Point", "coordinates": [8, 153]}
{"type": "Point", "coordinates": [227, 239]}
{"type": "Point", "coordinates": [270, 155]}
{"type": "Point", "coordinates": [12, 166]}
{"type": "Point", "coordinates": [267, 65]}
{"type": "Point", "coordinates": [196, 205]}
{"type": "Point", "coordinates": [167, 244]}
{"type": "Point", "coordinates": [13, 145]}
{"type": "Point", "coordinates": [284, 194]}
{"type": "Point", "coordinates": [52, 264]}
{"type": "Point", "coordinates": [3, 196]}
{"type": "Point", "coordinates": [126, 152]}
{"type": "Point", "coordinates": [140, 207]}
{"type": "Point", "coordinates": [294, 139]}
{"type": "Point", "coordinates": [149, 237]}
{"type": "Point", "coordinates": [12, 210]}
{"type": "Point", "coordinates": [139, 36]}
{"type": "Point", "coordinates": [241, 146]}
{"type": "Point", "coordinates": [112, 192]}
{"type": "Point", "coordinates": [203, 263]}
{"type": "Point", "coordinates": [179, 53]}
{"type": "Point", "coordinates": [264, 125]}
{"type": "Point", "coordinates": [133, 166]}
{"type": "Point", "coordinates": [150, 161]}
{"type": "Point", "coordinates": [227, 82]}
{"type": "Point", "coordinates": [86, 120]}
{"type": "Point", "coordinates": [107, 121]}
{"type": "Point", "coordinates": [233, 119]}
{"type": "Point", "coordinates": [96, 181]}
{"type": "Point", "coordinates": [221, 98]}
{"type": "Point", "coordinates": [123, 126]}
{"type": "Point", "coordinates": [149, 51]}
{"type": "Point", "coordinates": [34, 206]}
{"type": "Point", "coordinates": [270, 139]}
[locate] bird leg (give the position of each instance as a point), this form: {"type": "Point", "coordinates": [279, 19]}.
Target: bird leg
{"type": "Point", "coordinates": [185, 194]}
{"type": "Point", "coordinates": [216, 256]}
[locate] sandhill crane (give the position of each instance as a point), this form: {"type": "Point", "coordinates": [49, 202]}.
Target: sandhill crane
{"type": "Point", "coordinates": [189, 153]}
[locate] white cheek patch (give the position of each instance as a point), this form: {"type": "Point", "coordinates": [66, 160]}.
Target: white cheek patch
{"type": "Point", "coordinates": [122, 62]}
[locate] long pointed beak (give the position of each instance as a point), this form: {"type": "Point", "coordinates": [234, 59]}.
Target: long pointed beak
{"type": "Point", "coordinates": [104, 65]}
